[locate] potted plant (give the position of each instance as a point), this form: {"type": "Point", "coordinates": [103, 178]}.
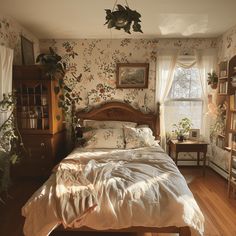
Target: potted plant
{"type": "Point", "coordinates": [181, 129]}
{"type": "Point", "coordinates": [212, 79]}
{"type": "Point", "coordinates": [11, 144]}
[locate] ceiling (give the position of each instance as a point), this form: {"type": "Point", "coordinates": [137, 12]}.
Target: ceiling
{"type": "Point", "coordinates": [68, 19]}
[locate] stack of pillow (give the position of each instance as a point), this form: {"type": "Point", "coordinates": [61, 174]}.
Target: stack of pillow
{"type": "Point", "coordinates": [117, 134]}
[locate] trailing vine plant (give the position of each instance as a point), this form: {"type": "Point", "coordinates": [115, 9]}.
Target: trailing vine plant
{"type": "Point", "coordinates": [219, 126]}
{"type": "Point", "coordinates": [57, 68]}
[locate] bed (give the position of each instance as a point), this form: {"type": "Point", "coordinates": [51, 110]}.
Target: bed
{"type": "Point", "coordinates": [122, 189]}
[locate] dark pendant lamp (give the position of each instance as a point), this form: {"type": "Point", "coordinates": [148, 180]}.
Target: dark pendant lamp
{"type": "Point", "coordinates": [123, 18]}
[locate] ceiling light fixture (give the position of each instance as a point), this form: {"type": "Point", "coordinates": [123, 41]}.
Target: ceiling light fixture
{"type": "Point", "coordinates": [123, 18]}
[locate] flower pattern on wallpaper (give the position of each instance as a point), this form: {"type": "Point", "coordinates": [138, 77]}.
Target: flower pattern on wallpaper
{"type": "Point", "coordinates": [227, 45]}
{"type": "Point", "coordinates": [92, 66]}
{"type": "Point", "coordinates": [10, 32]}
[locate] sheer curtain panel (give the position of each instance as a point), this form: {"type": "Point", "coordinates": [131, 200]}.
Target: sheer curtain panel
{"type": "Point", "coordinates": [6, 60]}
{"type": "Point", "coordinates": [166, 63]}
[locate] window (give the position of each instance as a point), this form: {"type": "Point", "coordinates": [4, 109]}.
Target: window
{"type": "Point", "coordinates": [184, 98]}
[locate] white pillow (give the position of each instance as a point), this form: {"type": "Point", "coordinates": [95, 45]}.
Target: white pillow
{"type": "Point", "coordinates": [105, 138]}
{"type": "Point", "coordinates": [100, 124]}
{"type": "Point", "coordinates": [139, 137]}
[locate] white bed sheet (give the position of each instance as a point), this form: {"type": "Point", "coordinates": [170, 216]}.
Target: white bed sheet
{"type": "Point", "coordinates": [113, 189]}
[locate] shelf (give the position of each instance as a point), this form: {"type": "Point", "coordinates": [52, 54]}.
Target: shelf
{"type": "Point", "coordinates": [223, 78]}
{"type": "Point", "coordinates": [221, 135]}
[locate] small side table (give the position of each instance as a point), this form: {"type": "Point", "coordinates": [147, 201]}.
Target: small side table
{"type": "Point", "coordinates": [189, 146]}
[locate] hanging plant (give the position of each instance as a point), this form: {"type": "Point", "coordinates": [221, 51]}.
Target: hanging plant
{"type": "Point", "coordinates": [53, 62]}
{"type": "Point", "coordinates": [123, 18]}
{"type": "Point", "coordinates": [55, 66]}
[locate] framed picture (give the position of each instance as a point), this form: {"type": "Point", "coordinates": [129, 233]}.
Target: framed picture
{"type": "Point", "coordinates": [132, 75]}
{"type": "Point", "coordinates": [194, 134]}
{"type": "Point", "coordinates": [27, 50]}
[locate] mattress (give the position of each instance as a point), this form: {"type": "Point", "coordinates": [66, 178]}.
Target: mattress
{"type": "Point", "coordinates": [113, 189]}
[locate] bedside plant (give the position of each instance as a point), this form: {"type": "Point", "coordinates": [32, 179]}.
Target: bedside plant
{"type": "Point", "coordinates": [212, 79]}
{"type": "Point", "coordinates": [181, 129]}
{"type": "Point", "coordinates": [11, 145]}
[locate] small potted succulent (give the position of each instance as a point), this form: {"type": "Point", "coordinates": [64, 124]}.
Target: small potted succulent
{"type": "Point", "coordinates": [212, 79]}
{"type": "Point", "coordinates": [181, 129]}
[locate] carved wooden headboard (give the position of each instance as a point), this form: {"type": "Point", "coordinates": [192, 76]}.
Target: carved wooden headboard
{"type": "Point", "coordinates": [122, 112]}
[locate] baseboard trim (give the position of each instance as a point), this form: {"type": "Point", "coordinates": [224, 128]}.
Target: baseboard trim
{"type": "Point", "coordinates": [218, 169]}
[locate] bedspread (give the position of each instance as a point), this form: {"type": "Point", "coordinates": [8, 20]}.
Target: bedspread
{"type": "Point", "coordinates": [113, 189]}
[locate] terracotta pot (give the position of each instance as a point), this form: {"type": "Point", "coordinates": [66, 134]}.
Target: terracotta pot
{"type": "Point", "coordinates": [214, 85]}
{"type": "Point", "coordinates": [180, 138]}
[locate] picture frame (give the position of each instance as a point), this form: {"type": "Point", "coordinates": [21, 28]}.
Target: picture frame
{"type": "Point", "coordinates": [27, 51]}
{"type": "Point", "coordinates": [132, 75]}
{"type": "Point", "coordinates": [194, 134]}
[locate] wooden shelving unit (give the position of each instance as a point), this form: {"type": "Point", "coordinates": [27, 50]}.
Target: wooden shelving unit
{"type": "Point", "coordinates": [226, 97]}
{"type": "Point", "coordinates": [40, 120]}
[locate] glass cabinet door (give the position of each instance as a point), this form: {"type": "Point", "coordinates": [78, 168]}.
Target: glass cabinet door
{"type": "Point", "coordinates": [32, 105]}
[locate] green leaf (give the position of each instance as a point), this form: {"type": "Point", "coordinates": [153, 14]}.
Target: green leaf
{"type": "Point", "coordinates": [60, 104]}
{"type": "Point", "coordinates": [56, 90]}
{"type": "Point", "coordinates": [111, 24]}
{"type": "Point", "coordinates": [58, 117]}
{"type": "Point", "coordinates": [14, 158]}
{"type": "Point", "coordinates": [68, 96]}
{"type": "Point", "coordinates": [120, 7]}
{"type": "Point", "coordinates": [61, 97]}
{"type": "Point", "coordinates": [60, 83]}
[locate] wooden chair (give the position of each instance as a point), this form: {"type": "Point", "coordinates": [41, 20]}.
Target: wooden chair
{"type": "Point", "coordinates": [232, 172]}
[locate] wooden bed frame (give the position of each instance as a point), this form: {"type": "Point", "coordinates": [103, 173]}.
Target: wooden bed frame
{"type": "Point", "coordinates": [124, 112]}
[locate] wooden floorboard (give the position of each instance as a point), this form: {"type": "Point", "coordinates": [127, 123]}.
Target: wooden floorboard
{"type": "Point", "coordinates": [210, 192]}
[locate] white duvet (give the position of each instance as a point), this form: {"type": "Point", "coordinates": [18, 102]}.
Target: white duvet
{"type": "Point", "coordinates": [104, 189]}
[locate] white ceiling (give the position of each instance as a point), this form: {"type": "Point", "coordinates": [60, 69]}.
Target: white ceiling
{"type": "Point", "coordinates": [68, 19]}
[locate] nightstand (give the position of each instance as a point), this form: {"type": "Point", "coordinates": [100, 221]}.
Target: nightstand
{"type": "Point", "coordinates": [189, 146]}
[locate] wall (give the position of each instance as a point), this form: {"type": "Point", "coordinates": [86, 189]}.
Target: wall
{"type": "Point", "coordinates": [96, 61]}
{"type": "Point", "coordinates": [227, 45]}
{"type": "Point", "coordinates": [10, 32]}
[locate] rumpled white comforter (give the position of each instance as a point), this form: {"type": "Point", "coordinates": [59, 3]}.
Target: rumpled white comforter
{"type": "Point", "coordinates": [104, 189]}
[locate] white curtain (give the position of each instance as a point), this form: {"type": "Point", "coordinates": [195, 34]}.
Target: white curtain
{"type": "Point", "coordinates": [166, 63]}
{"type": "Point", "coordinates": [206, 62]}
{"type": "Point", "coordinates": [6, 60]}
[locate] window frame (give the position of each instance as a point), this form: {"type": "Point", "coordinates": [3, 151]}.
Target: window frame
{"type": "Point", "coordinates": [183, 99]}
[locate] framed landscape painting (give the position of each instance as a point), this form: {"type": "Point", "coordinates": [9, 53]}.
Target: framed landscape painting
{"type": "Point", "coordinates": [132, 75]}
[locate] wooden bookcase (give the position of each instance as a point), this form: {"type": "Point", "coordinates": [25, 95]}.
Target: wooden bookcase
{"type": "Point", "coordinates": [40, 120]}
{"type": "Point", "coordinates": [226, 96]}
{"type": "Point", "coordinates": [223, 101]}
{"type": "Point", "coordinates": [231, 124]}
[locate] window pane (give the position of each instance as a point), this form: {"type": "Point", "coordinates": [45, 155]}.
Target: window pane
{"type": "Point", "coordinates": [186, 84]}
{"type": "Point", "coordinates": [176, 110]}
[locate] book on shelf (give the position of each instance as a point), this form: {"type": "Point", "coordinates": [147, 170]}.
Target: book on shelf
{"type": "Point", "coordinates": [223, 86]}
{"type": "Point", "coordinates": [233, 121]}
{"type": "Point", "coordinates": [232, 140]}
{"type": "Point", "coordinates": [232, 102]}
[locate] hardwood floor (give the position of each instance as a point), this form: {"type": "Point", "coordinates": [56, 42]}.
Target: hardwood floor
{"type": "Point", "coordinates": [210, 192]}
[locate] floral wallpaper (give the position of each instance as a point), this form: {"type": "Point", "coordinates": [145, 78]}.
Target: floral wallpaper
{"type": "Point", "coordinates": [91, 66]}
{"type": "Point", "coordinates": [10, 32]}
{"type": "Point", "coordinates": [227, 45]}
